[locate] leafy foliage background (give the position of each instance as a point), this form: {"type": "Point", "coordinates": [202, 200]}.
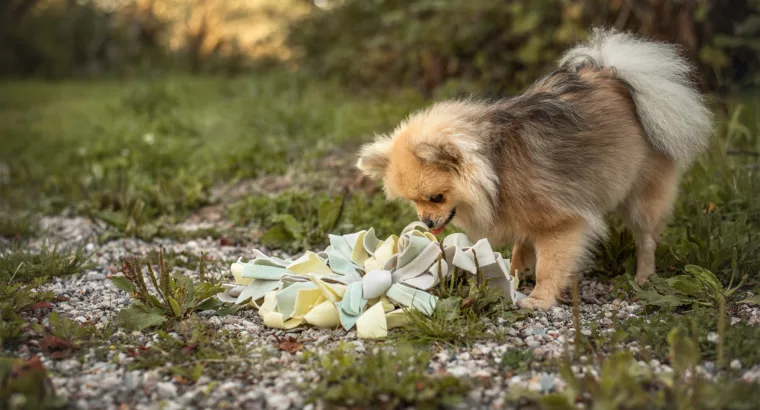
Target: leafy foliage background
{"type": "Point", "coordinates": [501, 46]}
{"type": "Point", "coordinates": [442, 47]}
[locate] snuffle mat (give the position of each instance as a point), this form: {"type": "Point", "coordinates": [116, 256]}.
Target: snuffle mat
{"type": "Point", "coordinates": [361, 281]}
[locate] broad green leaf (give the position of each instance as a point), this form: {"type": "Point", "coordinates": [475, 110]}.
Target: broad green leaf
{"type": "Point", "coordinates": [755, 300]}
{"type": "Point", "coordinates": [175, 307]}
{"type": "Point", "coordinates": [684, 352]}
{"type": "Point", "coordinates": [277, 235]}
{"type": "Point", "coordinates": [292, 225]}
{"type": "Point", "coordinates": [210, 304]}
{"type": "Point", "coordinates": [123, 283]}
{"type": "Point", "coordinates": [155, 302]}
{"type": "Point", "coordinates": [55, 321]}
{"type": "Point", "coordinates": [139, 318]}
{"type": "Point", "coordinates": [196, 371]}
{"type": "Point", "coordinates": [206, 290]}
{"type": "Point", "coordinates": [687, 285]}
{"type": "Point", "coordinates": [652, 297]}
{"type": "Point", "coordinates": [231, 309]}
{"type": "Point", "coordinates": [707, 278]}
{"type": "Point", "coordinates": [329, 212]}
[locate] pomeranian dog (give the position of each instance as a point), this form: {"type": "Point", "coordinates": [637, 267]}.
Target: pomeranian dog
{"type": "Point", "coordinates": [610, 129]}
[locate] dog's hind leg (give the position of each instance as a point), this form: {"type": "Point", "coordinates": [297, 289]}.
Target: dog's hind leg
{"type": "Point", "coordinates": [647, 208]}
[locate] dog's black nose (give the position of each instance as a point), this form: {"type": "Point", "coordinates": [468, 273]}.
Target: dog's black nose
{"type": "Point", "coordinates": [429, 223]}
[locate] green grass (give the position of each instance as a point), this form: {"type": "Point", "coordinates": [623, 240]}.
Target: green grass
{"type": "Point", "coordinates": [145, 153]}
{"type": "Point", "coordinates": [302, 220]}
{"type": "Point", "coordinates": [171, 298]}
{"type": "Point", "coordinates": [18, 263]}
{"type": "Point", "coordinates": [197, 350]}
{"type": "Point", "coordinates": [18, 225]}
{"type": "Point", "coordinates": [383, 379]}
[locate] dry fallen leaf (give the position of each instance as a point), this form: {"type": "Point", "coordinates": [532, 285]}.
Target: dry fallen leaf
{"type": "Point", "coordinates": [42, 305]}
{"type": "Point", "coordinates": [57, 348]}
{"type": "Point", "coordinates": [290, 345]}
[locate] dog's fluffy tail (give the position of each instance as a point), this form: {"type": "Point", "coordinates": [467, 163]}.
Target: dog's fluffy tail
{"type": "Point", "coordinates": [671, 109]}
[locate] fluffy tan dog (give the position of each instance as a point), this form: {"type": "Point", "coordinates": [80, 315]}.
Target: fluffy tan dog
{"type": "Point", "coordinates": [611, 129]}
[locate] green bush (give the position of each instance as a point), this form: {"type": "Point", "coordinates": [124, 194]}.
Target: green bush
{"type": "Point", "coordinates": [65, 39]}
{"type": "Point", "coordinates": [456, 46]}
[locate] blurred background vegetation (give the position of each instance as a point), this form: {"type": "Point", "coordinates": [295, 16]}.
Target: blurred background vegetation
{"type": "Point", "coordinates": [148, 113]}
{"type": "Point", "coordinates": [441, 47]}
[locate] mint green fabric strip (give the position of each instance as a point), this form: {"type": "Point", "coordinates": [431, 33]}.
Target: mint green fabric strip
{"type": "Point", "coordinates": [422, 261]}
{"type": "Point", "coordinates": [353, 302]}
{"type": "Point", "coordinates": [339, 263]}
{"type": "Point", "coordinates": [370, 241]}
{"type": "Point", "coordinates": [407, 296]}
{"type": "Point", "coordinates": [415, 245]}
{"type": "Point", "coordinates": [286, 298]}
{"type": "Point", "coordinates": [342, 244]}
{"type": "Point", "coordinates": [258, 288]}
{"type": "Point", "coordinates": [343, 279]}
{"type": "Point", "coordinates": [266, 272]}
{"type": "Point", "coordinates": [352, 306]}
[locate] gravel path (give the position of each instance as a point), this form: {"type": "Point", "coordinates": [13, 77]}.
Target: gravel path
{"type": "Point", "coordinates": [100, 378]}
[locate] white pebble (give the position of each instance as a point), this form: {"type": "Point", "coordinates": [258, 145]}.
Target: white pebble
{"type": "Point", "coordinates": [166, 390]}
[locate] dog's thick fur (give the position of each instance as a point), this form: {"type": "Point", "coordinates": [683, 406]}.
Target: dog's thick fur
{"type": "Point", "coordinates": [612, 128]}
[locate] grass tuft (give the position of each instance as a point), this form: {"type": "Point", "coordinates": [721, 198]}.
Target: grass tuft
{"type": "Point", "coordinates": [466, 304]}
{"type": "Point", "coordinates": [174, 297]}
{"type": "Point", "coordinates": [19, 263]}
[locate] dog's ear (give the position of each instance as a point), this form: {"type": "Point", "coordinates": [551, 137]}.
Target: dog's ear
{"type": "Point", "coordinates": [374, 158]}
{"type": "Point", "coordinates": [443, 154]}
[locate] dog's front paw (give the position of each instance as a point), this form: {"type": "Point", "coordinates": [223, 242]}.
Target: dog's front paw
{"type": "Point", "coordinates": [535, 303]}
{"type": "Point", "coordinates": [641, 280]}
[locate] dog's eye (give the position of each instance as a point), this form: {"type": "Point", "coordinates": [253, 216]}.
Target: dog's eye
{"type": "Point", "coordinates": [436, 199]}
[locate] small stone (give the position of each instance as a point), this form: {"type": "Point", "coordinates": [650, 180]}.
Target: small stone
{"type": "Point", "coordinates": [323, 339]}
{"type": "Point", "coordinates": [166, 390]}
{"type": "Point", "coordinates": [68, 366]}
{"type": "Point", "coordinates": [736, 365]}
{"type": "Point", "coordinates": [459, 371]}
{"type": "Point", "coordinates": [709, 366]}
{"type": "Point", "coordinates": [215, 321]}
{"type": "Point", "coordinates": [547, 383]}
{"type": "Point", "coordinates": [278, 401]}
{"type": "Point", "coordinates": [95, 276]}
